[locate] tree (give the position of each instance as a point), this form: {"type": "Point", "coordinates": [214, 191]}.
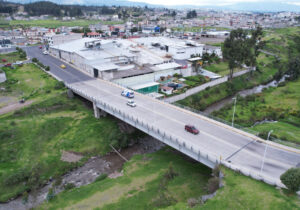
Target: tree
{"type": "Point", "coordinates": [291, 179]}
{"type": "Point", "coordinates": [235, 49]}
{"type": "Point", "coordinates": [191, 14]}
{"type": "Point", "coordinates": [294, 68]}
{"type": "Point", "coordinates": [254, 45]}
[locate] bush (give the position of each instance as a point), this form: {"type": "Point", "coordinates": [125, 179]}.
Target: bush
{"type": "Point", "coordinates": [59, 85]}
{"type": "Point", "coordinates": [216, 171]}
{"type": "Point", "coordinates": [35, 60]}
{"type": "Point", "coordinates": [47, 68]}
{"type": "Point", "coordinates": [51, 194]}
{"type": "Point", "coordinates": [291, 179]}
{"type": "Point", "coordinates": [213, 184]}
{"type": "Point", "coordinates": [101, 177]}
{"type": "Point", "coordinates": [69, 186]}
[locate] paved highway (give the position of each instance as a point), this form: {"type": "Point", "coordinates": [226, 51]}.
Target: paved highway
{"type": "Point", "coordinates": [215, 138]}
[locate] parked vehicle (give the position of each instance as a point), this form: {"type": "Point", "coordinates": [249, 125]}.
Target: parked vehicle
{"type": "Point", "coordinates": [63, 66]}
{"type": "Point", "coordinates": [7, 65]}
{"type": "Point", "coordinates": [191, 129]}
{"type": "Point", "coordinates": [45, 53]}
{"type": "Point", "coordinates": [128, 93]}
{"type": "Point", "coordinates": [131, 103]}
{"type": "Point", "coordinates": [41, 47]}
{"type": "Point", "coordinates": [4, 60]}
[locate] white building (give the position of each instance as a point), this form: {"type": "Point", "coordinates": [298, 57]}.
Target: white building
{"type": "Point", "coordinates": [57, 39]}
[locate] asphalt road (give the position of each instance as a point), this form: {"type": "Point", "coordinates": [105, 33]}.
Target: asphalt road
{"type": "Point", "coordinates": [69, 74]}
{"type": "Point", "coordinates": [220, 141]}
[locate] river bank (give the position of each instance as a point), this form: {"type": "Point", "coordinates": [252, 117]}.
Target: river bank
{"type": "Point", "coordinates": [109, 164]}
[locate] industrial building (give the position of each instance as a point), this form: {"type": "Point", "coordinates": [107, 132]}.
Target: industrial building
{"type": "Point", "coordinates": [135, 63]}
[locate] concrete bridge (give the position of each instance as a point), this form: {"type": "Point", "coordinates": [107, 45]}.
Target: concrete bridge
{"type": "Point", "coordinates": [217, 143]}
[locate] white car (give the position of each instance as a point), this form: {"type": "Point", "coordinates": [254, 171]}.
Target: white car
{"type": "Point", "coordinates": [45, 53]}
{"type": "Point", "coordinates": [131, 103]}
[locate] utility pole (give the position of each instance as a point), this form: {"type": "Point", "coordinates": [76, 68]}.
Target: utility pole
{"type": "Point", "coordinates": [263, 161]}
{"type": "Point", "coordinates": [233, 111]}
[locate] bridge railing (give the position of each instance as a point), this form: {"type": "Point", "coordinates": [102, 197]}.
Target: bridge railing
{"type": "Point", "coordinates": [182, 145]}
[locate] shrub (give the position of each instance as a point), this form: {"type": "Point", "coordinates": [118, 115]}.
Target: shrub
{"type": "Point", "coordinates": [101, 177]}
{"type": "Point", "coordinates": [59, 85]}
{"type": "Point", "coordinates": [35, 60]}
{"type": "Point", "coordinates": [213, 184]}
{"type": "Point", "coordinates": [216, 171]}
{"type": "Point", "coordinates": [50, 194]}
{"type": "Point", "coordinates": [69, 186]}
{"type": "Point", "coordinates": [291, 179]}
{"type": "Point", "coordinates": [192, 202]}
{"type": "Point", "coordinates": [47, 68]}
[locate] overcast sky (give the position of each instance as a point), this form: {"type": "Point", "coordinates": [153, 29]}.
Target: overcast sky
{"type": "Point", "coordinates": [211, 2]}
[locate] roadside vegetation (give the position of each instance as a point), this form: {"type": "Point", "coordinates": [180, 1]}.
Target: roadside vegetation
{"type": "Point", "coordinates": [279, 104]}
{"type": "Point", "coordinates": [12, 57]}
{"type": "Point", "coordinates": [144, 186]}
{"type": "Point", "coordinates": [32, 139]}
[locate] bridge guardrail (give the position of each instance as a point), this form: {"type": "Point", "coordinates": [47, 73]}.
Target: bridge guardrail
{"type": "Point", "coordinates": [186, 147]}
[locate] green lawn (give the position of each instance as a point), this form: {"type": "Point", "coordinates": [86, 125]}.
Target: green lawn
{"type": "Point", "coordinates": [218, 68]}
{"type": "Point", "coordinates": [32, 139]}
{"type": "Point", "coordinates": [139, 187]}
{"type": "Point", "coordinates": [57, 23]}
{"type": "Point", "coordinates": [10, 57]}
{"type": "Point", "coordinates": [28, 82]}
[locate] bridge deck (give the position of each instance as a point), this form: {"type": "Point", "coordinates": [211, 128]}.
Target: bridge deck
{"type": "Point", "coordinates": [217, 139]}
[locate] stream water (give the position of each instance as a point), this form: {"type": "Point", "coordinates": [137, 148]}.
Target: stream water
{"type": "Point", "coordinates": [258, 89]}
{"type": "Point", "coordinates": [109, 164]}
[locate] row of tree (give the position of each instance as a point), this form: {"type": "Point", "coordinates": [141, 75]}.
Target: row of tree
{"type": "Point", "coordinates": [49, 8]}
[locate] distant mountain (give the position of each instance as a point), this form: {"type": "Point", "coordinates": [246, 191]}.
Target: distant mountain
{"type": "Point", "coordinates": [264, 6]}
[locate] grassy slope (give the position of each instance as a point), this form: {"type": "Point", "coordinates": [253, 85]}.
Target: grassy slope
{"type": "Point", "coordinates": [130, 192]}
{"type": "Point", "coordinates": [32, 139]}
{"type": "Point", "coordinates": [281, 103]}
{"type": "Point", "coordinates": [58, 23]}
{"type": "Point", "coordinates": [241, 192]}
{"type": "Point", "coordinates": [138, 187]}
{"type": "Point", "coordinates": [205, 98]}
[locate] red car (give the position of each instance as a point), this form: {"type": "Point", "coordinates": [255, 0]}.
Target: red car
{"type": "Point", "coordinates": [191, 129]}
{"type": "Point", "coordinates": [8, 65]}
{"type": "Point", "coordinates": [4, 60]}
{"type": "Point", "coordinates": [41, 47]}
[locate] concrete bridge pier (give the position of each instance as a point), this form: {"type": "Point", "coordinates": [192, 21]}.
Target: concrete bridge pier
{"type": "Point", "coordinates": [98, 112]}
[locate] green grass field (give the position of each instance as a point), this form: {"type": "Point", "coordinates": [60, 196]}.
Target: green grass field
{"type": "Point", "coordinates": [139, 188]}
{"type": "Point", "coordinates": [58, 23]}
{"type": "Point", "coordinates": [218, 68]}
{"type": "Point", "coordinates": [10, 57]}
{"type": "Point", "coordinates": [280, 104]}
{"type": "Point", "coordinates": [32, 139]}
{"type": "Point", "coordinates": [207, 97]}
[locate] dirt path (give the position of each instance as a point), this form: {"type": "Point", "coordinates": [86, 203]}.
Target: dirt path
{"type": "Point", "coordinates": [14, 106]}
